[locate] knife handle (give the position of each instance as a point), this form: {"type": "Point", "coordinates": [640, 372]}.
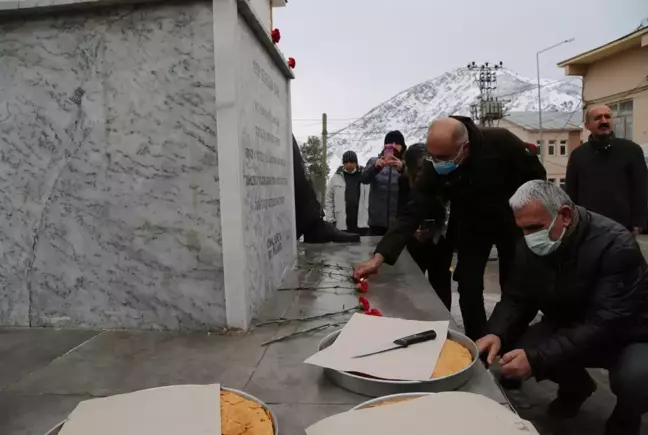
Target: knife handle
{"type": "Point", "coordinates": [416, 338]}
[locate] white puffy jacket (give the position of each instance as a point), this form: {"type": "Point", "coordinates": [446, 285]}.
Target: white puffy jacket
{"type": "Point", "coordinates": [335, 207]}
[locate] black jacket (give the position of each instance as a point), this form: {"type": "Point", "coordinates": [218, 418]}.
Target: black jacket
{"type": "Point", "coordinates": [610, 178]}
{"type": "Point", "coordinates": [478, 190]}
{"type": "Point", "coordinates": [593, 291]}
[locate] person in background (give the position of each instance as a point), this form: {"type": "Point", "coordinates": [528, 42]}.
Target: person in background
{"type": "Point", "coordinates": [347, 199]}
{"type": "Point", "coordinates": [608, 175]}
{"type": "Point", "coordinates": [475, 170]}
{"type": "Point", "coordinates": [588, 277]}
{"type": "Point", "coordinates": [382, 174]}
{"type": "Point", "coordinates": [308, 211]}
{"type": "Point", "coordinates": [429, 247]}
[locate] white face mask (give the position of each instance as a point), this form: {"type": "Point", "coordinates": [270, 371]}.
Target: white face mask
{"type": "Point", "coordinates": [540, 243]}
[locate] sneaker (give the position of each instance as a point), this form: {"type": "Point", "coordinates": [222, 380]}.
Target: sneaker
{"type": "Point", "coordinates": [326, 232]}
{"type": "Point", "coordinates": [570, 399]}
{"type": "Point", "coordinates": [619, 424]}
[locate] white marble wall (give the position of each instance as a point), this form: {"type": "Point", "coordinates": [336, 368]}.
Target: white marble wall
{"type": "Point", "coordinates": [109, 187]}
{"type": "Point", "coordinates": [253, 116]}
{"type": "Point", "coordinates": [266, 147]}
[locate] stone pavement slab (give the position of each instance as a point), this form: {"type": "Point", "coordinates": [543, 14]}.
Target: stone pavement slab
{"type": "Point", "coordinates": [51, 371]}
{"type": "Point", "coordinates": [34, 414]}
{"type": "Point", "coordinates": [23, 351]}
{"type": "Point", "coordinates": [119, 362]}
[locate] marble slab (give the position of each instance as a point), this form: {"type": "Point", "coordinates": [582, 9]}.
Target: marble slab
{"type": "Point", "coordinates": [253, 115]}
{"type": "Point", "coordinates": [109, 170]}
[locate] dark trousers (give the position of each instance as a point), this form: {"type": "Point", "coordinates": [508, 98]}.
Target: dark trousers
{"type": "Point", "coordinates": [436, 261]}
{"type": "Point", "coordinates": [473, 253]}
{"type": "Point", "coordinates": [627, 366]}
{"type": "Point", "coordinates": [308, 211]}
{"type": "Point", "coordinates": [377, 231]}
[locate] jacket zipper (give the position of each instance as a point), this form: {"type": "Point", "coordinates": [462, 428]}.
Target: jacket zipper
{"type": "Point", "coordinates": [389, 187]}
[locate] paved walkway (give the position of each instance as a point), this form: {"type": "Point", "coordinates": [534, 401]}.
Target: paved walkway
{"type": "Point", "coordinates": [45, 373]}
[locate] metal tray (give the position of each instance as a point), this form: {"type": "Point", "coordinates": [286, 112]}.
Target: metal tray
{"type": "Point", "coordinates": [387, 399]}
{"type": "Point", "coordinates": [275, 426]}
{"type": "Point", "coordinates": [382, 387]}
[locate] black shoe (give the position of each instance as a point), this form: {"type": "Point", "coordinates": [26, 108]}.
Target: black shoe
{"type": "Point", "coordinates": [326, 232]}
{"type": "Point", "coordinates": [570, 399]}
{"type": "Point", "coordinates": [619, 424]}
{"type": "Point", "coordinates": [510, 384]}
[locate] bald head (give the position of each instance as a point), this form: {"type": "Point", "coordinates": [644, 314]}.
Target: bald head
{"type": "Point", "coordinates": [445, 138]}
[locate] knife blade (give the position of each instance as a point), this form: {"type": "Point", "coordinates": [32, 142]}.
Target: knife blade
{"type": "Point", "coordinates": [404, 342]}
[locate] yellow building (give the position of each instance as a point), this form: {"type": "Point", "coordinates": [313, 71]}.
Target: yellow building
{"type": "Point", "coordinates": [616, 74]}
{"type": "Point", "coordinates": [561, 133]}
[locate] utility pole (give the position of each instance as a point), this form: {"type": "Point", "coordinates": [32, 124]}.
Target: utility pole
{"type": "Point", "coordinates": [324, 155]}
{"type": "Point", "coordinates": [489, 108]}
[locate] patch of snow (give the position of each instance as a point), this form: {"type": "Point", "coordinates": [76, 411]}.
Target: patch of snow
{"type": "Point", "coordinates": [452, 93]}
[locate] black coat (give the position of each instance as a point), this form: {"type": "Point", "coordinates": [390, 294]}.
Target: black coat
{"type": "Point", "coordinates": [478, 190]}
{"type": "Point", "coordinates": [593, 292]}
{"type": "Point", "coordinates": [611, 179]}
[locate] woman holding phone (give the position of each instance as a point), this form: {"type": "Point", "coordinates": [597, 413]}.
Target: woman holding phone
{"type": "Point", "coordinates": [382, 174]}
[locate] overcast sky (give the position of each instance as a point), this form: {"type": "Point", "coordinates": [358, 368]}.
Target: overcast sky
{"type": "Point", "coordinates": [354, 54]}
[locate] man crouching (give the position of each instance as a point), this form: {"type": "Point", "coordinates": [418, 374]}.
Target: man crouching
{"type": "Point", "coordinates": [588, 277]}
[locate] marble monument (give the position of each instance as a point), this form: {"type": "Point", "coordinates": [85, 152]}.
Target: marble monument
{"type": "Point", "coordinates": [145, 164]}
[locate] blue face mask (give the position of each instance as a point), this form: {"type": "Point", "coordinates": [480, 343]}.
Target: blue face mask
{"type": "Point", "coordinates": [444, 168]}
{"type": "Point", "coordinates": [540, 243]}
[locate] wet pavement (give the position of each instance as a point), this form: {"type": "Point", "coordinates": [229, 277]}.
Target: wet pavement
{"type": "Point", "coordinates": [44, 374]}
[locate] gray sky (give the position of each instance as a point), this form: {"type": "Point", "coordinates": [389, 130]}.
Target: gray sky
{"type": "Point", "coordinates": [354, 54]}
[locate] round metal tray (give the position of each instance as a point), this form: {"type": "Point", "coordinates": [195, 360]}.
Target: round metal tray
{"type": "Point", "coordinates": [275, 426]}
{"type": "Point", "coordinates": [381, 387]}
{"type": "Point", "coordinates": [386, 399]}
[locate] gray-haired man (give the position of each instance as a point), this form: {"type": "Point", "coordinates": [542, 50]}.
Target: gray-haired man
{"type": "Point", "coordinates": [588, 277]}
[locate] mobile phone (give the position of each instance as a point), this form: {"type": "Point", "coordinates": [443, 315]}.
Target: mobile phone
{"type": "Point", "coordinates": [389, 151]}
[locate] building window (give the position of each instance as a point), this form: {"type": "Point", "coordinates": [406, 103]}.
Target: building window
{"type": "Point", "coordinates": [563, 184]}
{"type": "Point", "coordinates": [552, 147]}
{"type": "Point", "coordinates": [539, 144]}
{"type": "Point", "coordinates": [551, 180]}
{"type": "Point", "coordinates": [622, 115]}
{"type": "Point", "coordinates": [563, 147]}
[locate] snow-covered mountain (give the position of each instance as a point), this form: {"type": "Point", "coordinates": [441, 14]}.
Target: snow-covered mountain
{"type": "Point", "coordinates": [452, 93]}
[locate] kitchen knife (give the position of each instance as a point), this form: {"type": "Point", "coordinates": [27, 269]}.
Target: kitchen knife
{"type": "Point", "coordinates": [404, 342]}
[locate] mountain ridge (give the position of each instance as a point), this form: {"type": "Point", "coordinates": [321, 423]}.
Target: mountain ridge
{"type": "Point", "coordinates": [451, 93]}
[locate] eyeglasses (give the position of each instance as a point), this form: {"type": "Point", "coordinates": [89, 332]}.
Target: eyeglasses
{"type": "Point", "coordinates": [430, 158]}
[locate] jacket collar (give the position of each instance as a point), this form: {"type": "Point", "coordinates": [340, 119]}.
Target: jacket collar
{"type": "Point", "coordinates": [601, 144]}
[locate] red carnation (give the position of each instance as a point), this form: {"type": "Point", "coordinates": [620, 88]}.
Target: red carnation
{"type": "Point", "coordinates": [365, 303]}
{"type": "Point", "coordinates": [374, 312]}
{"type": "Point", "coordinates": [291, 62]}
{"type": "Point", "coordinates": [362, 286]}
{"type": "Point", "coordinates": [276, 36]}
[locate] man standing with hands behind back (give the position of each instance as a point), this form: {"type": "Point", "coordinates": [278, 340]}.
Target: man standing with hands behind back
{"type": "Point", "coordinates": [608, 175]}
